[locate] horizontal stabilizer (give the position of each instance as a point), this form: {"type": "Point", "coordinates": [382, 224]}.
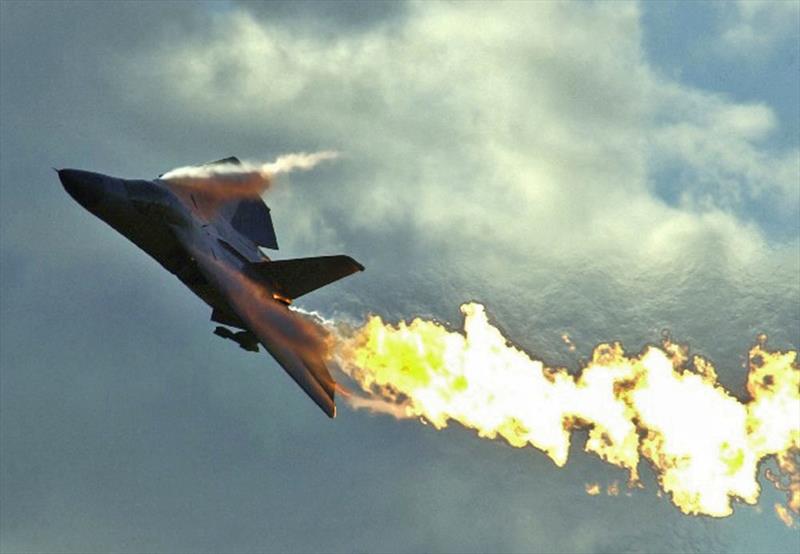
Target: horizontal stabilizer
{"type": "Point", "coordinates": [294, 278]}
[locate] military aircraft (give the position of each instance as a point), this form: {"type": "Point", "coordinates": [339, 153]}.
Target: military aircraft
{"type": "Point", "coordinates": [208, 232]}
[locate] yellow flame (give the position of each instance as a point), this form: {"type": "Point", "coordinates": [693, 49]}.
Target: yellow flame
{"type": "Point", "coordinates": [702, 442]}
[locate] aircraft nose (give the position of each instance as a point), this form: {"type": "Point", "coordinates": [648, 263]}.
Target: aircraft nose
{"type": "Point", "coordinates": [84, 186]}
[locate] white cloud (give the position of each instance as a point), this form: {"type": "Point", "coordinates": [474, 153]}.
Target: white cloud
{"type": "Point", "coordinates": [721, 145]}
{"type": "Point", "coordinates": [525, 131]}
{"type": "Point", "coordinates": [751, 28]}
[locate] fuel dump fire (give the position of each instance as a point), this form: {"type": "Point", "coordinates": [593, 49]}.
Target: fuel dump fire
{"type": "Point", "coordinates": [658, 407]}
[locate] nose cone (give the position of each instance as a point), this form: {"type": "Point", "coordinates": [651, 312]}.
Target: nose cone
{"type": "Point", "coordinates": [85, 187]}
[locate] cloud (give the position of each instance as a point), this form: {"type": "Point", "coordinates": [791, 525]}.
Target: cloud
{"type": "Point", "coordinates": [328, 18]}
{"type": "Point", "coordinates": [519, 160]}
{"type": "Point", "coordinates": [752, 28]}
{"type": "Point", "coordinates": [523, 124]}
{"type": "Point", "coordinates": [721, 150]}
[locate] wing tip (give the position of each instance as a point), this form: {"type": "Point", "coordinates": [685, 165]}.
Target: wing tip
{"type": "Point", "coordinates": [358, 265]}
{"type": "Point", "coordinates": [327, 404]}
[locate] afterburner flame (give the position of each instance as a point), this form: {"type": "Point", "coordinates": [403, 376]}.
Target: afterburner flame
{"type": "Point", "coordinates": [703, 443]}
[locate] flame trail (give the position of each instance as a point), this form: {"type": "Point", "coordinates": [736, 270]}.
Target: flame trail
{"type": "Point", "coordinates": [703, 444]}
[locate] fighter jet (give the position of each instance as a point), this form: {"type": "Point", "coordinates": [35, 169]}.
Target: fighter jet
{"type": "Point", "coordinates": [208, 234]}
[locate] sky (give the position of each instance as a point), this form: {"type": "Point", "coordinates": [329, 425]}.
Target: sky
{"type": "Point", "coordinates": [605, 170]}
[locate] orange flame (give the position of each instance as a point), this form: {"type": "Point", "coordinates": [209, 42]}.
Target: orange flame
{"type": "Point", "coordinates": [704, 444]}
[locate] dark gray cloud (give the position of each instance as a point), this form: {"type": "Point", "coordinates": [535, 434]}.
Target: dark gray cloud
{"type": "Point", "coordinates": [127, 427]}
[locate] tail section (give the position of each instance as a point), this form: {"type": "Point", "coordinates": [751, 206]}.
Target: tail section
{"type": "Point", "coordinates": [294, 278]}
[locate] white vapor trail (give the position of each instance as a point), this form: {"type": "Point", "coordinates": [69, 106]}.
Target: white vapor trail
{"type": "Point", "coordinates": [299, 161]}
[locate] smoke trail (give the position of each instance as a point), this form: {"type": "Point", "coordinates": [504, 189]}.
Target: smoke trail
{"type": "Point", "coordinates": [704, 445]}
